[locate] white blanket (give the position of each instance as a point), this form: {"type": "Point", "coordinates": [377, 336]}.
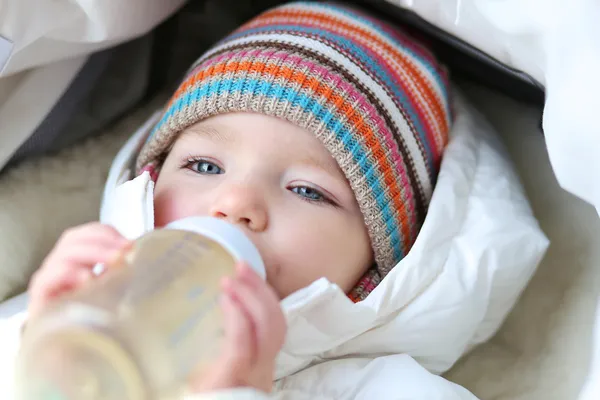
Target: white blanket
{"type": "Point", "coordinates": [555, 42]}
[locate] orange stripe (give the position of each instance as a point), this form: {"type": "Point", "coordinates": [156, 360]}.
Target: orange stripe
{"type": "Point", "coordinates": [344, 107]}
{"type": "Point", "coordinates": [360, 33]}
{"type": "Point", "coordinates": [429, 94]}
{"type": "Point", "coordinates": [332, 23]}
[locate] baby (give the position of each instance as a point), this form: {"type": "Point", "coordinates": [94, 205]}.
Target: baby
{"type": "Point", "coordinates": [319, 131]}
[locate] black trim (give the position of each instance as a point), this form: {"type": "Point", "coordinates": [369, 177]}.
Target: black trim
{"type": "Point", "coordinates": [464, 60]}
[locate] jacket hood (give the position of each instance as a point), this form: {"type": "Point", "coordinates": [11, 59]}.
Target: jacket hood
{"type": "Point", "coordinates": [476, 251]}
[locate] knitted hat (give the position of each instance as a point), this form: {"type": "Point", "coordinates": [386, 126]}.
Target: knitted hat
{"type": "Point", "coordinates": [375, 98]}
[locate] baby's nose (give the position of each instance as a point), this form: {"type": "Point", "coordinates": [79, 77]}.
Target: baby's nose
{"type": "Point", "coordinates": [241, 205]}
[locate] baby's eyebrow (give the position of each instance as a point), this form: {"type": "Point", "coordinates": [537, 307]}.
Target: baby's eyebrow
{"type": "Point", "coordinates": [330, 167]}
{"type": "Point", "coordinates": [211, 132]}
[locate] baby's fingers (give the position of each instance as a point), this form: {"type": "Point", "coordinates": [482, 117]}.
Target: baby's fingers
{"type": "Point", "coordinates": [240, 344]}
{"type": "Point", "coordinates": [261, 303]}
{"type": "Point", "coordinates": [93, 232]}
{"type": "Point", "coordinates": [89, 254]}
{"type": "Point", "coordinates": [63, 262]}
{"type": "Point", "coordinates": [70, 263]}
{"type": "Point", "coordinates": [235, 363]}
{"type": "Point", "coordinates": [47, 287]}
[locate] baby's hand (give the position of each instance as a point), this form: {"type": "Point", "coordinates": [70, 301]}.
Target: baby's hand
{"type": "Point", "coordinates": [69, 265]}
{"type": "Point", "coordinates": [255, 330]}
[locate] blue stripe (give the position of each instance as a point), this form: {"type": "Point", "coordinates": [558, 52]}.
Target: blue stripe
{"type": "Point", "coordinates": [348, 12]}
{"type": "Point", "coordinates": [427, 64]}
{"type": "Point", "coordinates": [431, 67]}
{"type": "Point", "coordinates": [367, 61]}
{"type": "Point", "coordinates": [311, 105]}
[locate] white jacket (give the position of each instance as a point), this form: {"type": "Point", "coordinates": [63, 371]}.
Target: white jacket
{"type": "Point", "coordinates": [476, 251]}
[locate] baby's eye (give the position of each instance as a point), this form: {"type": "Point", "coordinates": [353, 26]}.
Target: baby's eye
{"type": "Point", "coordinates": [206, 167]}
{"type": "Point", "coordinates": [308, 193]}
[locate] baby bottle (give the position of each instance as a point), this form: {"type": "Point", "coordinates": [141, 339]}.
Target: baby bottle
{"type": "Point", "coordinates": [144, 326]}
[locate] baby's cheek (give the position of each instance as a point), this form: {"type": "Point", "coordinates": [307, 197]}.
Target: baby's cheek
{"type": "Point", "coordinates": [166, 209]}
{"type": "Point", "coordinates": [340, 252]}
{"type": "Point", "coordinates": [174, 204]}
{"type": "Point", "coordinates": [309, 258]}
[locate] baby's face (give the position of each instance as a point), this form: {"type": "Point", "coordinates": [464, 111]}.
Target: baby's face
{"type": "Point", "coordinates": [280, 185]}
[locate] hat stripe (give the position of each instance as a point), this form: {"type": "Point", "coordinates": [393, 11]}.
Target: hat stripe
{"type": "Point", "coordinates": [358, 20]}
{"type": "Point", "coordinates": [365, 59]}
{"type": "Point", "coordinates": [400, 40]}
{"type": "Point", "coordinates": [358, 16]}
{"type": "Point", "coordinates": [311, 105]}
{"type": "Point", "coordinates": [405, 75]}
{"type": "Point", "coordinates": [394, 36]}
{"type": "Point", "coordinates": [400, 61]}
{"type": "Point", "coordinates": [404, 124]}
{"type": "Point", "coordinates": [344, 21]}
{"type": "Point", "coordinates": [369, 37]}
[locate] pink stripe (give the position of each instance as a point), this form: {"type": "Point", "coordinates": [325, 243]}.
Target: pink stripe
{"type": "Point", "coordinates": [381, 126]}
{"type": "Point", "coordinates": [397, 33]}
{"type": "Point", "coordinates": [438, 139]}
{"type": "Point", "coordinates": [402, 38]}
{"type": "Point", "coordinates": [398, 38]}
{"type": "Point", "coordinates": [211, 61]}
{"type": "Point", "coordinates": [406, 40]}
{"type": "Point", "coordinates": [432, 134]}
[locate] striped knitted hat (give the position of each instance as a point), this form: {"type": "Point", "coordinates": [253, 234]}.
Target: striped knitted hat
{"type": "Point", "coordinates": [376, 99]}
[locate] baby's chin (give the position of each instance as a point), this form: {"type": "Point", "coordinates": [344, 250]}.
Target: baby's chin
{"type": "Point", "coordinates": [282, 288]}
{"type": "Point", "coordinates": [277, 279]}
